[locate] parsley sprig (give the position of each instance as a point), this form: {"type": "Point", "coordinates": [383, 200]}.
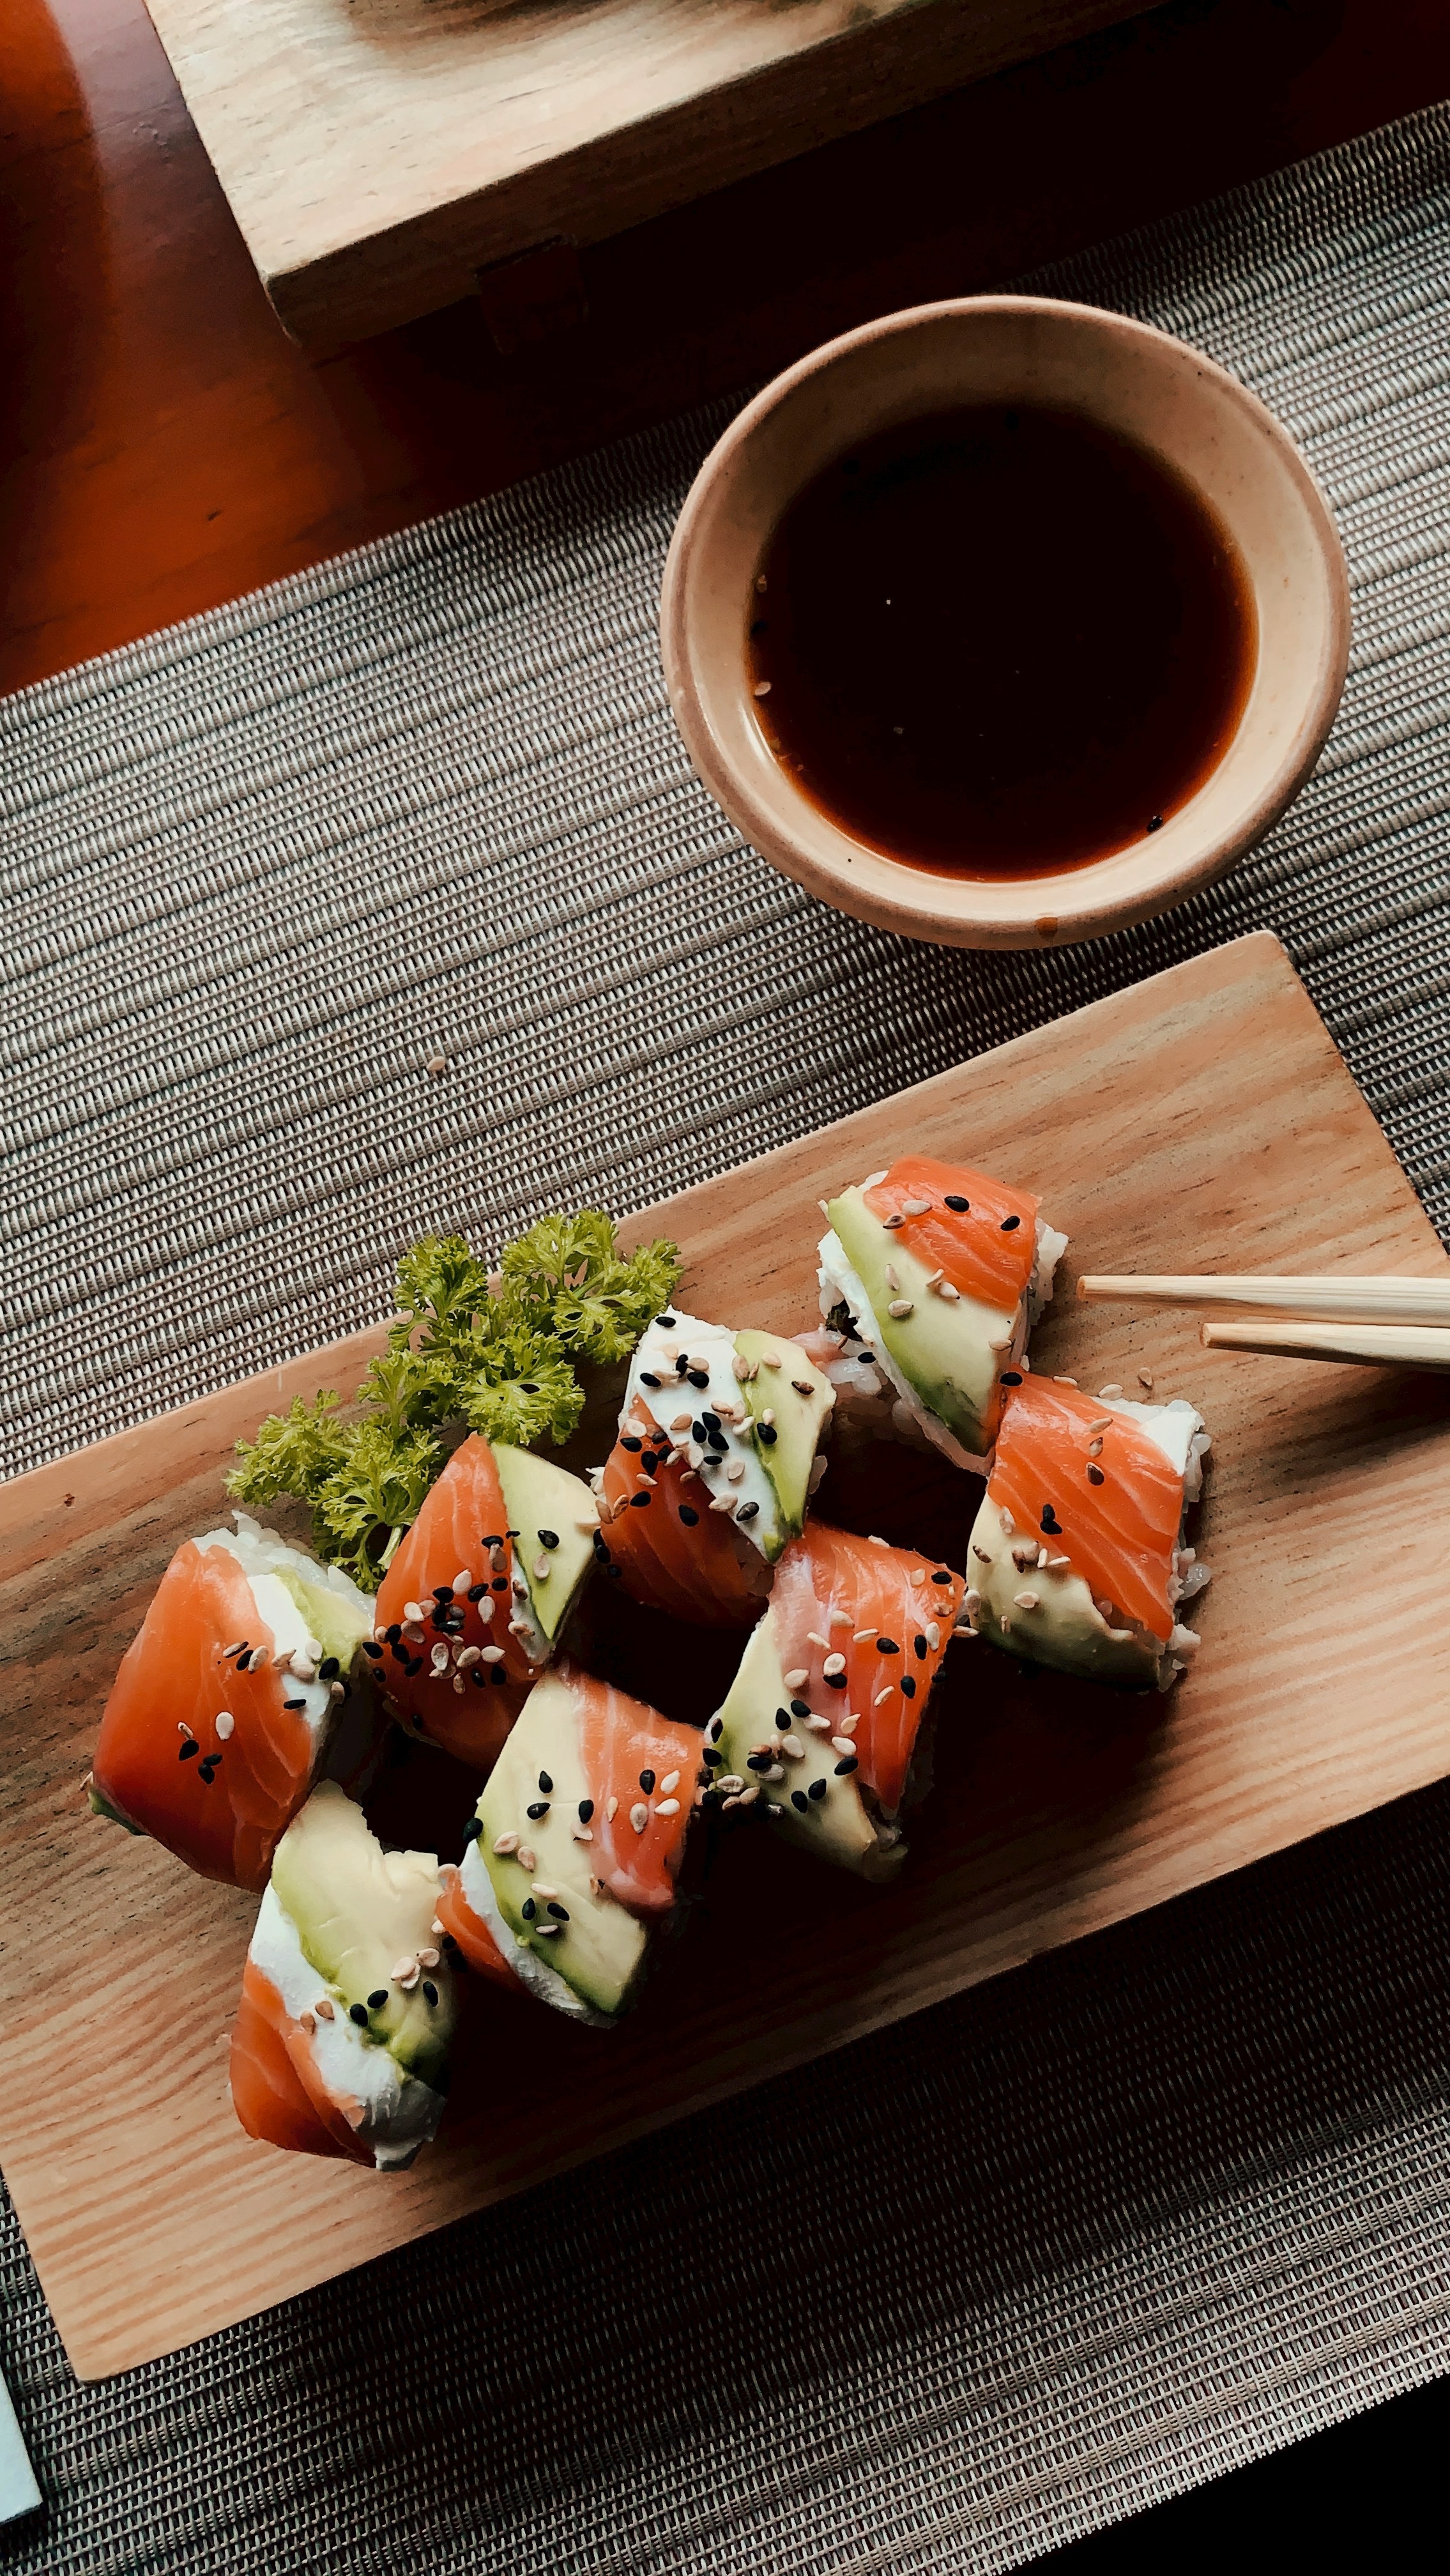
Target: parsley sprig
{"type": "Point", "coordinates": [502, 1361]}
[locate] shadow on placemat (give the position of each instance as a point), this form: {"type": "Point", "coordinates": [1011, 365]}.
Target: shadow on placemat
{"type": "Point", "coordinates": [987, 2236]}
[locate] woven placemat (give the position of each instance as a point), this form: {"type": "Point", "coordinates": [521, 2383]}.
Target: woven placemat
{"type": "Point", "coordinates": [1027, 2262]}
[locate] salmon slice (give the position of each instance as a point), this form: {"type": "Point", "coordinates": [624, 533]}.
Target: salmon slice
{"type": "Point", "coordinates": [1116, 1514]}
{"type": "Point", "coordinates": [276, 2090]}
{"type": "Point", "coordinates": [461, 1529]}
{"type": "Point", "coordinates": [888, 1613]}
{"type": "Point", "coordinates": [640, 1765]}
{"type": "Point", "coordinates": [673, 1552]}
{"type": "Point", "coordinates": [987, 1249]}
{"type": "Point", "coordinates": [472, 1934]}
{"type": "Point", "coordinates": [221, 1804]}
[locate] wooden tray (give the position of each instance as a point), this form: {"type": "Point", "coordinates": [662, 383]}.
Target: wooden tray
{"type": "Point", "coordinates": [1202, 1121]}
{"type": "Point", "coordinates": [377, 153]}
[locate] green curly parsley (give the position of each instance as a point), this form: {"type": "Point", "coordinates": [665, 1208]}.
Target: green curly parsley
{"type": "Point", "coordinates": [502, 1361]}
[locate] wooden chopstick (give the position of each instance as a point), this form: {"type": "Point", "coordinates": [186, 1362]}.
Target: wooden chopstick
{"type": "Point", "coordinates": [1419, 1346]}
{"type": "Point", "coordinates": [1336, 1300]}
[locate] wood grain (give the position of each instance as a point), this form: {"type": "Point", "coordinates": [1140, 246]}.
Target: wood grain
{"type": "Point", "coordinates": [376, 153]}
{"type": "Point", "coordinates": [165, 447]}
{"type": "Point", "coordinates": [1204, 1116]}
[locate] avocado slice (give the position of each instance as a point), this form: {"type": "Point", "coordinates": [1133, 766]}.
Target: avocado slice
{"type": "Point", "coordinates": [779, 1373]}
{"type": "Point", "coordinates": [545, 1505]}
{"type": "Point", "coordinates": [357, 1910]}
{"type": "Point", "coordinates": [330, 1617]}
{"type": "Point", "coordinates": [599, 1948]}
{"type": "Point", "coordinates": [950, 1353]}
{"type": "Point", "coordinates": [755, 1721]}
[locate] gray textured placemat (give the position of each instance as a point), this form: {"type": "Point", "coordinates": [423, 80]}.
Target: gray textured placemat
{"type": "Point", "coordinates": [1041, 2255]}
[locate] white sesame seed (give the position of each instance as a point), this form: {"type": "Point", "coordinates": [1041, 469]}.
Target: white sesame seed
{"type": "Point", "coordinates": [583, 1834]}
{"type": "Point", "coordinates": [547, 1931]}
{"type": "Point", "coordinates": [933, 1635]}
{"type": "Point", "coordinates": [747, 1797]}
{"type": "Point", "coordinates": [539, 1889]}
{"type": "Point", "coordinates": [1025, 1600]}
{"type": "Point", "coordinates": [412, 1610]}
{"type": "Point", "coordinates": [892, 1222]}
{"type": "Point", "coordinates": [1008, 1523]}
{"type": "Point", "coordinates": [891, 1279]}
{"type": "Point", "coordinates": [842, 1744]}
{"type": "Point", "coordinates": [796, 1677]}
{"type": "Point", "coordinates": [527, 1859]}
{"type": "Point", "coordinates": [731, 1780]}
{"type": "Point", "coordinates": [439, 1659]}
{"type": "Point", "coordinates": [1064, 1381]}
{"type": "Point", "coordinates": [817, 1725]}
{"type": "Point", "coordinates": [668, 1807]}
{"type": "Point", "coordinates": [428, 1958]}
{"type": "Point", "coordinates": [468, 1655]}
{"type": "Point", "coordinates": [916, 1207]}
{"type": "Point", "coordinates": [1106, 1393]}
{"type": "Point", "coordinates": [505, 1844]}
{"type": "Point", "coordinates": [225, 1723]}
{"type": "Point", "coordinates": [463, 1580]}
{"type": "Point", "coordinates": [873, 1180]}
{"type": "Point", "coordinates": [611, 1810]}
{"type": "Point", "coordinates": [307, 2021]}
{"type": "Point", "coordinates": [848, 1724]}
{"type": "Point", "coordinates": [776, 1772]}
{"type": "Point", "coordinates": [761, 689]}
{"type": "Point", "coordinates": [490, 1654]}
{"type": "Point", "coordinates": [883, 1694]}
{"type": "Point", "coordinates": [543, 1568]}
{"type": "Point", "coordinates": [1094, 1447]}
{"type": "Point", "coordinates": [951, 1294]}
{"type": "Point", "coordinates": [793, 1749]}
{"type": "Point", "coordinates": [834, 1664]}
{"type": "Point", "coordinates": [772, 1360]}
{"type": "Point", "coordinates": [901, 1307]}
{"type": "Point", "coordinates": [325, 2008]}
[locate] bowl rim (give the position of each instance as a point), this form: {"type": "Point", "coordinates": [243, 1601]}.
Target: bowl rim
{"type": "Point", "coordinates": [918, 902]}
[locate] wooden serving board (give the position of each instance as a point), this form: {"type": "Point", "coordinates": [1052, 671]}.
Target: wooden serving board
{"type": "Point", "coordinates": [377, 153]}
{"type": "Point", "coordinates": [1201, 1121]}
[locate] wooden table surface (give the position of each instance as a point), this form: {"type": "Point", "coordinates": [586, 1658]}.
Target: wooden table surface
{"type": "Point", "coordinates": [163, 446]}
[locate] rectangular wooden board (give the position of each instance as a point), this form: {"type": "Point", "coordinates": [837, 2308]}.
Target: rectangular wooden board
{"type": "Point", "coordinates": [1203, 1120]}
{"type": "Point", "coordinates": [376, 153]}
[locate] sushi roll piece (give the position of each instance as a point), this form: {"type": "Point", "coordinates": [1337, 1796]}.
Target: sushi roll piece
{"type": "Point", "coordinates": [220, 1717]}
{"type": "Point", "coordinates": [715, 1463]}
{"type": "Point", "coordinates": [341, 2041]}
{"type": "Point", "coordinates": [575, 1850]}
{"type": "Point", "coordinates": [475, 1600]}
{"type": "Point", "coordinates": [822, 1726]}
{"type": "Point", "coordinates": [939, 1274]}
{"type": "Point", "coordinates": [1079, 1557]}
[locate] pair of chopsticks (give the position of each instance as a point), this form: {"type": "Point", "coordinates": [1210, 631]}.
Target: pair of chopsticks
{"type": "Point", "coordinates": [1389, 1323]}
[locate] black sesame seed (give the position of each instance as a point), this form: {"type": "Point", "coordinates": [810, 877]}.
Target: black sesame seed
{"type": "Point", "coordinates": [646, 1379]}
{"type": "Point", "coordinates": [1010, 1224]}
{"type": "Point", "coordinates": [586, 1810]}
{"type": "Point", "coordinates": [887, 1646]}
{"type": "Point", "coordinates": [413, 1665]}
{"type": "Point", "coordinates": [716, 1729]}
{"type": "Point", "coordinates": [500, 1583]}
{"type": "Point", "coordinates": [371, 1648]}
{"type": "Point", "coordinates": [479, 1676]}
{"type": "Point", "coordinates": [1155, 822]}
{"type": "Point", "coordinates": [835, 1681]}
{"type": "Point", "coordinates": [244, 1648]}
{"type": "Point", "coordinates": [359, 2014]}
{"type": "Point", "coordinates": [800, 1708]}
{"type": "Point", "coordinates": [848, 1762]}
{"type": "Point", "coordinates": [942, 1576]}
{"type": "Point", "coordinates": [1051, 1525]}
{"type": "Point", "coordinates": [377, 1998]}
{"type": "Point", "coordinates": [920, 1645]}
{"type": "Point", "coordinates": [766, 1431]}
{"type": "Point", "coordinates": [758, 1761]}
{"type": "Point", "coordinates": [646, 1781]}
{"type": "Point", "coordinates": [711, 1421]}
{"type": "Point", "coordinates": [560, 1913]}
{"type": "Point", "coordinates": [747, 1511]}
{"type": "Point", "coordinates": [287, 1703]}
{"type": "Point", "coordinates": [442, 1591]}
{"type": "Point", "coordinates": [495, 1538]}
{"type": "Point", "coordinates": [528, 1909]}
{"type": "Point", "coordinates": [1010, 1377]}
{"type": "Point", "coordinates": [1095, 1475]}
{"type": "Point", "coordinates": [713, 1755]}
{"type": "Point", "coordinates": [629, 1441]}
{"type": "Point", "coordinates": [430, 1990]}
{"type": "Point", "coordinates": [476, 1591]}
{"type": "Point", "coordinates": [540, 1807]}
{"type": "Point", "coordinates": [956, 1203]}
{"type": "Point", "coordinates": [189, 1749]}
{"type": "Point", "coordinates": [501, 1677]}
{"type": "Point", "coordinates": [817, 1789]}
{"type": "Point", "coordinates": [439, 1619]}
{"type": "Point", "coordinates": [668, 1322]}
{"type": "Point", "coordinates": [546, 1784]}
{"type": "Point", "coordinates": [548, 1538]}
{"type": "Point", "coordinates": [799, 1799]}
{"type": "Point", "coordinates": [472, 1830]}
{"type": "Point", "coordinates": [689, 1515]}
{"type": "Point", "coordinates": [908, 1686]}
{"type": "Point", "coordinates": [638, 1501]}
{"type": "Point", "coordinates": [393, 1634]}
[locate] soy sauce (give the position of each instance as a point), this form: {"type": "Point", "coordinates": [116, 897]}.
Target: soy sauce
{"type": "Point", "coordinates": [1000, 641]}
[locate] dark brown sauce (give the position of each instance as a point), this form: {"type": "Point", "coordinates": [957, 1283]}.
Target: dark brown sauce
{"type": "Point", "coordinates": [1000, 642]}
